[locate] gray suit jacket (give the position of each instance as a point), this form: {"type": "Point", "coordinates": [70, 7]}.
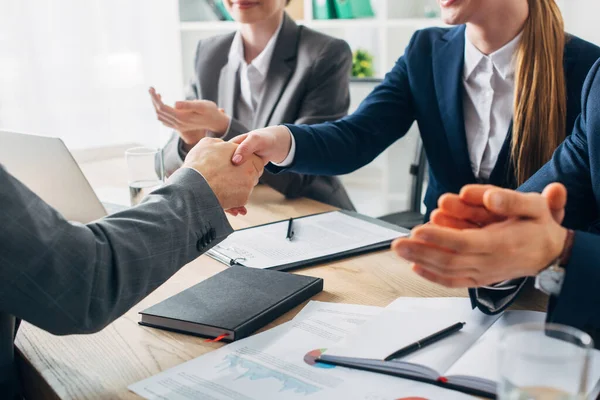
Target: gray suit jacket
{"type": "Point", "coordinates": [307, 83]}
{"type": "Point", "coordinates": [69, 278]}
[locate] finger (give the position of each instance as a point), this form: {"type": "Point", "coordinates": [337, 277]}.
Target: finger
{"type": "Point", "coordinates": [168, 123]}
{"type": "Point", "coordinates": [468, 241]}
{"type": "Point", "coordinates": [473, 194]}
{"type": "Point", "coordinates": [155, 101]}
{"type": "Point", "coordinates": [556, 194]}
{"type": "Point", "coordinates": [451, 282]}
{"type": "Point", "coordinates": [441, 218]}
{"type": "Point", "coordinates": [190, 105]}
{"type": "Point", "coordinates": [246, 148]}
{"type": "Point", "coordinates": [237, 211]}
{"type": "Point", "coordinates": [452, 205]}
{"type": "Point", "coordinates": [509, 203]}
{"type": "Point", "coordinates": [164, 117]}
{"type": "Point", "coordinates": [434, 257]}
{"type": "Point", "coordinates": [156, 98]}
{"type": "Point", "coordinates": [239, 139]}
{"type": "Point", "coordinates": [259, 165]}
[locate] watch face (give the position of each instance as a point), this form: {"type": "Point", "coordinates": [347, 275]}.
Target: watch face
{"type": "Point", "coordinates": [550, 281]}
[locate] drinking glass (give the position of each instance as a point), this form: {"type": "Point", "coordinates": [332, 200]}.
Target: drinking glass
{"type": "Point", "coordinates": [146, 172]}
{"type": "Point", "coordinates": [544, 362]}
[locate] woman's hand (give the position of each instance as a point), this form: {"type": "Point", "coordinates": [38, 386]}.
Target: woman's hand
{"type": "Point", "coordinates": [191, 119]}
{"type": "Point", "coordinates": [272, 144]}
{"type": "Point", "coordinates": [525, 237]}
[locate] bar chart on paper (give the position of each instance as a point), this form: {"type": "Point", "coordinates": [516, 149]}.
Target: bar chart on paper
{"type": "Point", "coordinates": [254, 371]}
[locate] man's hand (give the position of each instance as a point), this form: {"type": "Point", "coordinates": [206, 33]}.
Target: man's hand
{"type": "Point", "coordinates": [231, 184]}
{"type": "Point", "coordinates": [272, 144]}
{"type": "Point", "coordinates": [526, 239]}
{"type": "Point", "coordinates": [191, 119]}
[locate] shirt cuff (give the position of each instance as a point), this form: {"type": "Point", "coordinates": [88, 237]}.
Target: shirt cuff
{"type": "Point", "coordinates": [509, 284]}
{"type": "Point", "coordinates": [180, 150]}
{"type": "Point", "coordinates": [219, 135]}
{"type": "Point", "coordinates": [291, 155]}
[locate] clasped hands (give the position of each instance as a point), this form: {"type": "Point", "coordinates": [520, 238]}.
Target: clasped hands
{"type": "Point", "coordinates": [486, 235]}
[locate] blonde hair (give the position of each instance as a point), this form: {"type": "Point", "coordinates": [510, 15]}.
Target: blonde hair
{"type": "Point", "coordinates": [540, 108]}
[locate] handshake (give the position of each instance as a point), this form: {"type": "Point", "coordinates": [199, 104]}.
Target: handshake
{"type": "Point", "coordinates": [232, 169]}
{"type": "Point", "coordinates": [232, 184]}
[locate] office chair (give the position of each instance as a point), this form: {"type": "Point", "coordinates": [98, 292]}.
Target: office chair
{"type": "Point", "coordinates": [413, 217]}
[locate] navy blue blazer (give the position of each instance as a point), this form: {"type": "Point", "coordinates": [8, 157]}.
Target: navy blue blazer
{"type": "Point", "coordinates": [426, 86]}
{"type": "Point", "coordinates": [576, 164]}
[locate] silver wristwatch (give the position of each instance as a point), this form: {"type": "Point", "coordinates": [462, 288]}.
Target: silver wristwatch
{"type": "Point", "coordinates": [551, 279]}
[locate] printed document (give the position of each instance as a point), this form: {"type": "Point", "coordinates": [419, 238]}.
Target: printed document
{"type": "Point", "coordinates": [280, 364]}
{"type": "Point", "coordinates": [314, 236]}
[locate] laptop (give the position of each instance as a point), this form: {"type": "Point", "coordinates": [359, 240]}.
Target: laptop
{"type": "Point", "coordinates": [47, 168]}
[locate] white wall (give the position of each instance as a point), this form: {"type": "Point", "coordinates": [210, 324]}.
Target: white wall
{"type": "Point", "coordinates": [80, 70]}
{"type": "Point", "coordinates": [581, 18]}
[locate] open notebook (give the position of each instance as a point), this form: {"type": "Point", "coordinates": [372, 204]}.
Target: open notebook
{"type": "Point", "coordinates": [466, 361]}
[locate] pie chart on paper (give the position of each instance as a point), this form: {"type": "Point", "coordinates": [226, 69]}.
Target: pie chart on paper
{"type": "Point", "coordinates": [311, 359]}
{"type": "Point", "coordinates": [413, 398]}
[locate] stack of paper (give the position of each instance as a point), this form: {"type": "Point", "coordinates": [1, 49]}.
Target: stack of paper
{"type": "Point", "coordinates": [280, 363]}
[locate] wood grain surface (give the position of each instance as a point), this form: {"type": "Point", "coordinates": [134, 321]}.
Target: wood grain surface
{"type": "Point", "coordinates": [102, 365]}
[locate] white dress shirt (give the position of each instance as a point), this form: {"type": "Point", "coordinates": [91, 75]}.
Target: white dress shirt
{"type": "Point", "coordinates": [252, 76]}
{"type": "Point", "coordinates": [488, 95]}
{"type": "Point", "coordinates": [489, 86]}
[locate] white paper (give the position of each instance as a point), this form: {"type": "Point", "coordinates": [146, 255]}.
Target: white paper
{"type": "Point", "coordinates": [397, 329]}
{"type": "Point", "coordinates": [425, 304]}
{"type": "Point", "coordinates": [315, 236]}
{"type": "Point", "coordinates": [482, 358]}
{"type": "Point", "coordinates": [355, 314]}
{"type": "Point", "coordinates": [271, 365]}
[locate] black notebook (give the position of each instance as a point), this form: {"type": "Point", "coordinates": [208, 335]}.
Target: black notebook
{"type": "Point", "coordinates": [232, 304]}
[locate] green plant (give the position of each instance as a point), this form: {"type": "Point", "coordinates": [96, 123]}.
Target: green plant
{"type": "Point", "coordinates": [362, 64]}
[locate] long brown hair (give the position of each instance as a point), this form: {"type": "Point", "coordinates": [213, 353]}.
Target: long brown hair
{"type": "Point", "coordinates": [540, 108]}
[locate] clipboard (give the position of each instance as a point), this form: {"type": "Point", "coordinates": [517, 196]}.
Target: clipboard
{"type": "Point", "coordinates": [239, 261]}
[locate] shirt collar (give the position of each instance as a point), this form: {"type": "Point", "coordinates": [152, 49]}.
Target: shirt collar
{"type": "Point", "coordinates": [502, 59]}
{"type": "Point", "coordinates": [263, 60]}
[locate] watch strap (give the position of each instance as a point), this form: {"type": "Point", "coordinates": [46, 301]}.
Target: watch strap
{"type": "Point", "coordinates": [565, 256]}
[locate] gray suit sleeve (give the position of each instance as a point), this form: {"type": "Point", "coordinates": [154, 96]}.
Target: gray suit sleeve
{"type": "Point", "coordinates": [69, 278]}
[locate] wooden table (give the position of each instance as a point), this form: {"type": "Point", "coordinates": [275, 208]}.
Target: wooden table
{"type": "Point", "coordinates": [102, 365]}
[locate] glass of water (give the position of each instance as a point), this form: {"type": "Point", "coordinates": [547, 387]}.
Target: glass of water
{"type": "Point", "coordinates": [544, 362]}
{"type": "Point", "coordinates": [146, 172]}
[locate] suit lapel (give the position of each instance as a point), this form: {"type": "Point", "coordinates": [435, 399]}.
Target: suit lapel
{"type": "Point", "coordinates": [281, 68]}
{"type": "Point", "coordinates": [503, 173]}
{"type": "Point", "coordinates": [229, 88]}
{"type": "Point", "coordinates": [448, 62]}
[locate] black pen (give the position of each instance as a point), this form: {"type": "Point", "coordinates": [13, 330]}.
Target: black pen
{"type": "Point", "coordinates": [290, 232]}
{"type": "Point", "coordinates": [436, 337]}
